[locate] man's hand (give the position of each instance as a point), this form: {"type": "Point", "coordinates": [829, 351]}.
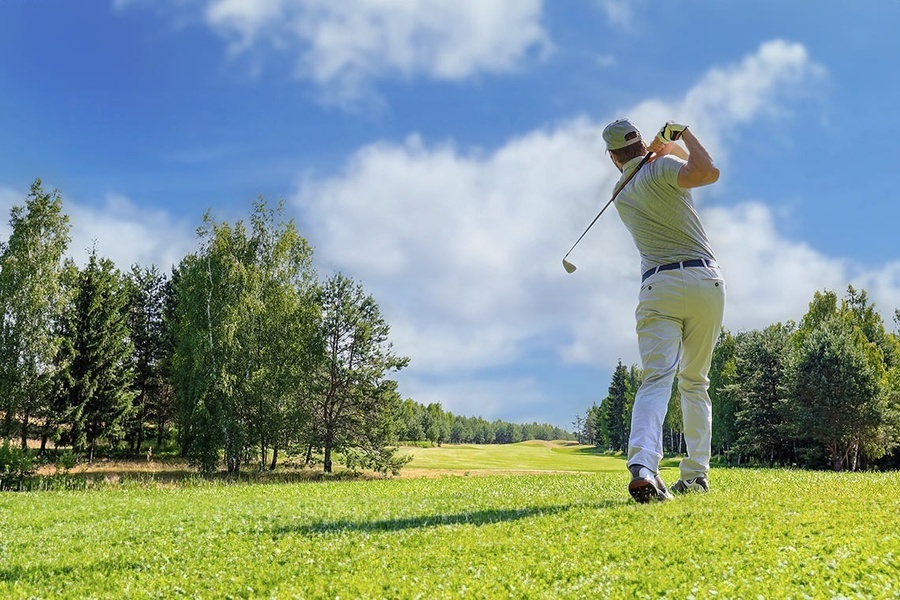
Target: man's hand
{"type": "Point", "coordinates": [670, 132]}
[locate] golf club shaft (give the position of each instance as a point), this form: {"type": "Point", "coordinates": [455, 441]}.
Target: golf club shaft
{"type": "Point", "coordinates": [615, 193]}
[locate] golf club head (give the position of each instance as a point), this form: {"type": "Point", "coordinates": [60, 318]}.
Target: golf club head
{"type": "Point", "coordinates": [569, 267]}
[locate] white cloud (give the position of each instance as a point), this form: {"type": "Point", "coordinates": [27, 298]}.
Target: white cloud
{"type": "Point", "coordinates": [486, 398]}
{"type": "Point", "coordinates": [462, 247]}
{"type": "Point", "coordinates": [344, 46]}
{"type": "Point", "coordinates": [122, 231]}
{"type": "Point", "coordinates": [467, 246]}
{"type": "Point", "coordinates": [619, 12]}
{"type": "Point", "coordinates": [127, 234]}
{"type": "Point", "coordinates": [727, 98]}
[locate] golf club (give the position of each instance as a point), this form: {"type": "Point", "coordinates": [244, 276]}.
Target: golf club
{"type": "Point", "coordinates": [569, 267]}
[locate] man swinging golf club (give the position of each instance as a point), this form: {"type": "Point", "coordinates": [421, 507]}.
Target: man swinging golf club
{"type": "Point", "coordinates": [681, 301]}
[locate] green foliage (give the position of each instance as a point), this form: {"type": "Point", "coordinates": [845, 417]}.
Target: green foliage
{"type": "Point", "coordinates": [760, 533]}
{"type": "Point", "coordinates": [761, 360]}
{"type": "Point", "coordinates": [243, 325]}
{"type": "Point", "coordinates": [96, 379]}
{"type": "Point", "coordinates": [381, 459]}
{"type": "Point", "coordinates": [351, 399]}
{"type": "Point", "coordinates": [146, 312]}
{"type": "Point", "coordinates": [722, 377]}
{"type": "Point", "coordinates": [16, 467]}
{"type": "Point", "coordinates": [66, 461]}
{"type": "Point", "coordinates": [822, 391]}
{"type": "Point", "coordinates": [31, 302]}
{"type": "Point", "coordinates": [836, 391]}
{"type": "Point", "coordinates": [618, 418]}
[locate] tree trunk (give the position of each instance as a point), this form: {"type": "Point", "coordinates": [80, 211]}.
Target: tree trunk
{"type": "Point", "coordinates": [159, 431]}
{"type": "Point", "coordinates": [329, 440]}
{"type": "Point", "coordinates": [140, 436]}
{"type": "Point", "coordinates": [7, 423]}
{"type": "Point", "coordinates": [308, 454]}
{"type": "Point", "coordinates": [274, 458]}
{"type": "Point", "coordinates": [837, 460]}
{"type": "Point", "coordinates": [25, 431]}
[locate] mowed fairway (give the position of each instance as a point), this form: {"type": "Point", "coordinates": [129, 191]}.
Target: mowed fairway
{"type": "Point", "coordinates": [758, 534]}
{"type": "Point", "coordinates": [531, 456]}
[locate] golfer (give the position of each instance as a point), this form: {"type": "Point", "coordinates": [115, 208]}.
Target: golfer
{"type": "Point", "coordinates": [681, 302]}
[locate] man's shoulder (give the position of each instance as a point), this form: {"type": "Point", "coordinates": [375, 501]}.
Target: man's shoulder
{"type": "Point", "coordinates": [667, 167]}
{"type": "Point", "coordinates": [669, 161]}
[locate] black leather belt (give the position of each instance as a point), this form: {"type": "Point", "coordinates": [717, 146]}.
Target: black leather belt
{"type": "Point", "coordinates": [697, 262]}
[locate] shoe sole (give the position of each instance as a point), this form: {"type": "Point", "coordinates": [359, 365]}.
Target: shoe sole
{"type": "Point", "coordinates": [644, 492]}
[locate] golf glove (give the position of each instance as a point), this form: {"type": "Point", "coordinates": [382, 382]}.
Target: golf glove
{"type": "Point", "coordinates": [670, 132]}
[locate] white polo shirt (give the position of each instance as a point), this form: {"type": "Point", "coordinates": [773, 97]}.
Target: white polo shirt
{"type": "Point", "coordinates": [660, 215]}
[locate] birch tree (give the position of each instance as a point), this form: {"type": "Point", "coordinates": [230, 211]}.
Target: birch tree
{"type": "Point", "coordinates": [31, 302]}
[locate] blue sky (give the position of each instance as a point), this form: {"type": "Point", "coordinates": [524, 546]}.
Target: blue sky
{"type": "Point", "coordinates": [446, 155]}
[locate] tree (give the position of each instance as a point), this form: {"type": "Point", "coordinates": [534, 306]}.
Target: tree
{"type": "Point", "coordinates": [616, 413]}
{"type": "Point", "coordinates": [97, 350]}
{"type": "Point", "coordinates": [722, 377]}
{"type": "Point", "coordinates": [761, 359]}
{"type": "Point", "coordinates": [462, 430]}
{"type": "Point", "coordinates": [245, 340]}
{"type": "Point", "coordinates": [31, 302]}
{"type": "Point", "coordinates": [601, 426]}
{"type": "Point", "coordinates": [412, 422]}
{"type": "Point", "coordinates": [348, 398]}
{"type": "Point", "coordinates": [873, 425]}
{"type": "Point", "coordinates": [673, 424]}
{"type": "Point", "coordinates": [437, 429]}
{"type": "Point", "coordinates": [836, 391]}
{"type": "Point", "coordinates": [147, 291]}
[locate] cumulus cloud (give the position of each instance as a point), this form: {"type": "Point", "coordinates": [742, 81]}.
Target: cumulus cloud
{"type": "Point", "coordinates": [343, 47]}
{"type": "Point", "coordinates": [127, 234]}
{"type": "Point", "coordinates": [462, 247]}
{"type": "Point", "coordinates": [121, 231]}
{"type": "Point", "coordinates": [730, 97]}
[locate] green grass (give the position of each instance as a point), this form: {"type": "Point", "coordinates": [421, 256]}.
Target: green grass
{"type": "Point", "coordinates": [526, 456]}
{"type": "Point", "coordinates": [759, 533]}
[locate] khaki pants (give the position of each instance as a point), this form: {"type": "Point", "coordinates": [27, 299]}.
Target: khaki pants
{"type": "Point", "coordinates": [679, 318]}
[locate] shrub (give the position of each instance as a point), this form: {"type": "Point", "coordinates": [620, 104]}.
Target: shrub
{"type": "Point", "coordinates": [16, 467]}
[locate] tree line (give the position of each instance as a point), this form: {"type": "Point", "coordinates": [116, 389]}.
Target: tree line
{"type": "Point", "coordinates": [419, 423]}
{"type": "Point", "coordinates": [821, 393]}
{"type": "Point", "coordinates": [239, 356]}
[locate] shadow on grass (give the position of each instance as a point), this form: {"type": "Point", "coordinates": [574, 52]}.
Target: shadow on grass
{"type": "Point", "coordinates": [593, 451]}
{"type": "Point", "coordinates": [477, 518]}
{"type": "Point", "coordinates": [669, 461]}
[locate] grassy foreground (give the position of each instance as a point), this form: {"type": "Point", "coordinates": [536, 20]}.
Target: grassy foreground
{"type": "Point", "coordinates": [759, 533]}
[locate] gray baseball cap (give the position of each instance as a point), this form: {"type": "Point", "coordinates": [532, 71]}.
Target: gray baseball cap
{"type": "Point", "coordinates": [621, 133]}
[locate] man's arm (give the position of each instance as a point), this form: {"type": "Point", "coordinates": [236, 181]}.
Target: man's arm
{"type": "Point", "coordinates": [699, 169]}
{"type": "Point", "coordinates": [662, 149]}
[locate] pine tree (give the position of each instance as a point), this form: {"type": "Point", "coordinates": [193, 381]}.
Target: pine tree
{"type": "Point", "coordinates": [98, 383]}
{"type": "Point", "coordinates": [617, 416]}
{"type": "Point", "coordinates": [761, 361]}
{"type": "Point", "coordinates": [147, 289]}
{"type": "Point", "coordinates": [351, 396]}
